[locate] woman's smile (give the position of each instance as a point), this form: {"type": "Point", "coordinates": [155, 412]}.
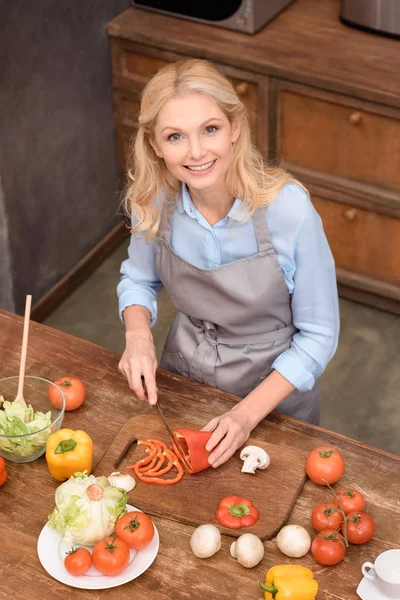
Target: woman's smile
{"type": "Point", "coordinates": [201, 169]}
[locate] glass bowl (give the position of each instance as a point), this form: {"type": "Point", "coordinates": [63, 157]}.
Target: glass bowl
{"type": "Point", "coordinates": [21, 439]}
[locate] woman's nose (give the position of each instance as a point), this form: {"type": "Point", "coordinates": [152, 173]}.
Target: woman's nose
{"type": "Point", "coordinates": [196, 150]}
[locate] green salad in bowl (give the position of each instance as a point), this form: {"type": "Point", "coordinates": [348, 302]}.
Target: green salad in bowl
{"type": "Point", "coordinates": [24, 429]}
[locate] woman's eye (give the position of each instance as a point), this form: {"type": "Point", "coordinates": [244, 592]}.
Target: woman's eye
{"type": "Point", "coordinates": [174, 137]}
{"type": "Point", "coordinates": [211, 129]}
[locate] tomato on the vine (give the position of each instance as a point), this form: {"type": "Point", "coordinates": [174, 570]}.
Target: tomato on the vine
{"type": "Point", "coordinates": [110, 556]}
{"type": "Point", "coordinates": [78, 561]}
{"type": "Point", "coordinates": [328, 547]}
{"type": "Point", "coordinates": [135, 528]}
{"type": "Point", "coordinates": [360, 527]}
{"type": "Point", "coordinates": [325, 465]}
{"type": "Point", "coordinates": [350, 500]}
{"type": "Point", "coordinates": [73, 390]}
{"type": "Point", "coordinates": [326, 516]}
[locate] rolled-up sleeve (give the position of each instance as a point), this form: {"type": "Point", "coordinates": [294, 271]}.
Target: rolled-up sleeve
{"type": "Point", "coordinates": [139, 281]}
{"type": "Point", "coordinates": [315, 305]}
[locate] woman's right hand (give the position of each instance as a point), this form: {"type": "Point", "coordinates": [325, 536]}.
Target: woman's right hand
{"type": "Point", "coordinates": [139, 364]}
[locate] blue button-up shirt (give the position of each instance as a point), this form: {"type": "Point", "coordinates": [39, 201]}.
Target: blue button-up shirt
{"type": "Point", "coordinates": [303, 254]}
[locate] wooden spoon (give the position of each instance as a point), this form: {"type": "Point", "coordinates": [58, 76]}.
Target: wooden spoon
{"type": "Point", "coordinates": [20, 392]}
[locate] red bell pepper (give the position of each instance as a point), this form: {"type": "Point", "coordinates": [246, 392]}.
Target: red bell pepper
{"type": "Point", "coordinates": [193, 444]}
{"type": "Point", "coordinates": [236, 512]}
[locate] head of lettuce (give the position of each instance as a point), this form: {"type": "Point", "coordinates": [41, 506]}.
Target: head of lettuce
{"type": "Point", "coordinates": [87, 508]}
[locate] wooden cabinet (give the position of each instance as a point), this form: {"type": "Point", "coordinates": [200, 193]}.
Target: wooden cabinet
{"type": "Point", "coordinates": [326, 107]}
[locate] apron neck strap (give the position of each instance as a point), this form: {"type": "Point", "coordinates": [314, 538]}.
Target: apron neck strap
{"type": "Point", "coordinates": [262, 232]}
{"type": "Point", "coordinates": [167, 213]}
{"type": "Point", "coordinates": [259, 221]}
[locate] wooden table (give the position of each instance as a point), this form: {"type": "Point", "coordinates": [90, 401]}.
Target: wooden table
{"type": "Point", "coordinates": [28, 496]}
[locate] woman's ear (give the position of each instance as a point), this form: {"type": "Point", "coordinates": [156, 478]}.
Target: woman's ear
{"type": "Point", "coordinates": [235, 131]}
{"type": "Point", "coordinates": [156, 149]}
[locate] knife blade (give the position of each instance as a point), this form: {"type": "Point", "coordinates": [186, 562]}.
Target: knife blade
{"type": "Point", "coordinates": [173, 436]}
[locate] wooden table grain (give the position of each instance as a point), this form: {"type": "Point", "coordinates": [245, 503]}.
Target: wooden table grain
{"type": "Point", "coordinates": [28, 496]}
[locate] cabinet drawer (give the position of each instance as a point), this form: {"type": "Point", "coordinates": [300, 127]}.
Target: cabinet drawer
{"type": "Point", "coordinates": [130, 67]}
{"type": "Point", "coordinates": [339, 139]}
{"type": "Point", "coordinates": [131, 70]}
{"type": "Point", "coordinates": [363, 242]}
{"type": "Point", "coordinates": [126, 108]}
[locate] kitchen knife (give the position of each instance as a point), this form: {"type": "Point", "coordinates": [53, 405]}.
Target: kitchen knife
{"type": "Point", "coordinates": [174, 438]}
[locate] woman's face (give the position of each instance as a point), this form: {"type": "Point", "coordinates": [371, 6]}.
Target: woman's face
{"type": "Point", "coordinates": [194, 137]}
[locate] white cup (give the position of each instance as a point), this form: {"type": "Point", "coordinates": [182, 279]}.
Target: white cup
{"type": "Point", "coordinates": [385, 573]}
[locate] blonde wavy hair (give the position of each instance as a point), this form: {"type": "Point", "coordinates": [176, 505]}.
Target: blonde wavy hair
{"type": "Point", "coordinates": [248, 177]}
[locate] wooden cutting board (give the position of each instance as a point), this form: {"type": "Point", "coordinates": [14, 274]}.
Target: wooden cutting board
{"type": "Point", "coordinates": [195, 498]}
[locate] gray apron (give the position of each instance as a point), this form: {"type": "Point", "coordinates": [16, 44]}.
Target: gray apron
{"type": "Point", "coordinates": [233, 321]}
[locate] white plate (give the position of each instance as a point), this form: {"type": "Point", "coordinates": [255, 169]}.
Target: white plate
{"type": "Point", "coordinates": [52, 548]}
{"type": "Point", "coordinates": [367, 590]}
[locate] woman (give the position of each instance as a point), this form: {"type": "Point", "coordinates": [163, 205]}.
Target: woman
{"type": "Point", "coordinates": [240, 250]}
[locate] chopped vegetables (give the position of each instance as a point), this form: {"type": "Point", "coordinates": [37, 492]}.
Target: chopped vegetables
{"type": "Point", "coordinates": [18, 420]}
{"type": "Point", "coordinates": [236, 512]}
{"type": "Point", "coordinates": [160, 460]}
{"type": "Point", "coordinates": [69, 452]}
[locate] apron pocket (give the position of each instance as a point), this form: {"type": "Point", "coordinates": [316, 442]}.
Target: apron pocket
{"type": "Point", "coordinates": [175, 363]}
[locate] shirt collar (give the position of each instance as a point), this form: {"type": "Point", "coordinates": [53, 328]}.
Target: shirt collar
{"type": "Point", "coordinates": [185, 204]}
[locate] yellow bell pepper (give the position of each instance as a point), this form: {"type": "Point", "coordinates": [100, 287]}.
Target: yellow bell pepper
{"type": "Point", "coordinates": [68, 452]}
{"type": "Point", "coordinates": [289, 582]}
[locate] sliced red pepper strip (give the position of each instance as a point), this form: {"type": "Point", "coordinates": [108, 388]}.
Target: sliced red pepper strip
{"type": "Point", "coordinates": [158, 443]}
{"type": "Point", "coordinates": [236, 512]}
{"type": "Point", "coordinates": [159, 471]}
{"type": "Point", "coordinates": [193, 443]}
{"type": "Point", "coordinates": [147, 459]}
{"type": "Point", "coordinates": [158, 480]}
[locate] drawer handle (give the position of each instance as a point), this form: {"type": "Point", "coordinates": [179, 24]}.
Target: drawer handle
{"type": "Point", "coordinates": [355, 118]}
{"type": "Point", "coordinates": [350, 214]}
{"type": "Point", "coordinates": [241, 88]}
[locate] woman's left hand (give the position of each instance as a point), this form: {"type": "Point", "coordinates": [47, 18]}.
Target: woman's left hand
{"type": "Point", "coordinates": [230, 431]}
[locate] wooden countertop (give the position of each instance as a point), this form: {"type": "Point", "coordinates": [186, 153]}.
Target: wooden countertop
{"type": "Point", "coordinates": [306, 42]}
{"type": "Point", "coordinates": [28, 495]}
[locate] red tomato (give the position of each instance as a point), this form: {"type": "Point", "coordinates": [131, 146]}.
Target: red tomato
{"type": "Point", "coordinates": [360, 527]}
{"type": "Point", "coordinates": [328, 547]}
{"type": "Point", "coordinates": [136, 529]}
{"type": "Point", "coordinates": [73, 390]}
{"type": "Point", "coordinates": [3, 477]}
{"type": "Point", "coordinates": [78, 561]}
{"type": "Point", "coordinates": [3, 471]}
{"type": "Point", "coordinates": [110, 556]}
{"type": "Point", "coordinates": [326, 516]}
{"type": "Point", "coordinates": [350, 501]}
{"type": "Point", "coordinates": [324, 463]}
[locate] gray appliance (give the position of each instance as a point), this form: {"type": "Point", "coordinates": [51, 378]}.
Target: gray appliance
{"type": "Point", "coordinates": [242, 15]}
{"type": "Point", "coordinates": [382, 16]}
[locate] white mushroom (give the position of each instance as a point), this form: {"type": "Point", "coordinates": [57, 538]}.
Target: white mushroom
{"type": "Point", "coordinates": [293, 540]}
{"type": "Point", "coordinates": [248, 549]}
{"type": "Point", "coordinates": [205, 541]}
{"type": "Point", "coordinates": [254, 458]}
{"type": "Point", "coordinates": [123, 481]}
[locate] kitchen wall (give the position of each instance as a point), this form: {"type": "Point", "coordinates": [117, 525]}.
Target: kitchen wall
{"type": "Point", "coordinates": [58, 178]}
